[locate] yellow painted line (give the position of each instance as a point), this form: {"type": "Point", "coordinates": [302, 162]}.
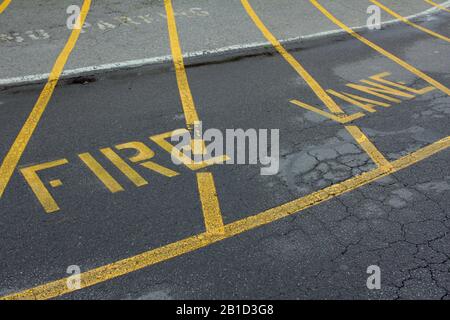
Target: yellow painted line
{"type": "Point", "coordinates": [315, 86]}
{"type": "Point", "coordinates": [412, 24]}
{"type": "Point", "coordinates": [210, 203]}
{"type": "Point", "coordinates": [187, 100]}
{"type": "Point", "coordinates": [369, 147]}
{"type": "Point", "coordinates": [334, 117]}
{"type": "Point", "coordinates": [367, 107]}
{"type": "Point", "coordinates": [159, 169]}
{"type": "Point", "coordinates": [4, 5]}
{"type": "Point", "coordinates": [434, 4]}
{"type": "Point", "coordinates": [20, 143]}
{"type": "Point", "coordinates": [205, 181]}
{"type": "Point", "coordinates": [101, 173]}
{"type": "Point", "coordinates": [380, 50]}
{"type": "Point", "coordinates": [125, 266]}
{"type": "Point", "coordinates": [56, 183]}
{"type": "Point", "coordinates": [124, 167]}
{"type": "Point", "coordinates": [37, 186]}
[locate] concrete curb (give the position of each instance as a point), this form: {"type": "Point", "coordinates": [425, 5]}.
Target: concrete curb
{"type": "Point", "coordinates": [192, 58]}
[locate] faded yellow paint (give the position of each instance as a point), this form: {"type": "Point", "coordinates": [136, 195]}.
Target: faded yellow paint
{"type": "Point", "coordinates": [20, 143]}
{"type": "Point", "coordinates": [159, 169]}
{"type": "Point", "coordinates": [412, 24]}
{"type": "Point", "coordinates": [160, 139]}
{"type": "Point", "coordinates": [37, 186]}
{"type": "Point", "coordinates": [369, 147]}
{"type": "Point", "coordinates": [210, 202]}
{"type": "Point", "coordinates": [380, 50]}
{"type": "Point", "coordinates": [337, 113]}
{"type": "Point", "coordinates": [346, 97]}
{"type": "Point", "coordinates": [151, 257]}
{"type": "Point", "coordinates": [205, 180]}
{"type": "Point", "coordinates": [110, 183]}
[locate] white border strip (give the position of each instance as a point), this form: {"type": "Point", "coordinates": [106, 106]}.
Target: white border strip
{"type": "Point", "coordinates": [163, 59]}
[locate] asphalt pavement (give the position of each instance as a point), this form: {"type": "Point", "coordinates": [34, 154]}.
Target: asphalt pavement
{"type": "Point", "coordinates": [373, 190]}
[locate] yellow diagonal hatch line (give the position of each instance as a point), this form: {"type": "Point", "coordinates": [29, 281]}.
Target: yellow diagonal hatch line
{"type": "Point", "coordinates": [169, 251]}
{"type": "Point", "coordinates": [20, 143]}
{"type": "Point", "coordinates": [4, 5]}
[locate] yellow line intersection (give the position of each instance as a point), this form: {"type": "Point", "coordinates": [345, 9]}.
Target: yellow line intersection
{"type": "Point", "coordinates": [215, 229]}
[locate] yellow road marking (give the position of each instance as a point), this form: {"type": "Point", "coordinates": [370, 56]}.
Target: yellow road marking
{"type": "Point", "coordinates": [434, 4]}
{"type": "Point", "coordinates": [374, 102]}
{"type": "Point", "coordinates": [210, 203]}
{"type": "Point", "coordinates": [159, 169]}
{"type": "Point", "coordinates": [18, 147]}
{"type": "Point", "coordinates": [412, 24]}
{"type": "Point", "coordinates": [369, 147]}
{"type": "Point", "coordinates": [122, 267]}
{"type": "Point", "coordinates": [128, 171]}
{"type": "Point", "coordinates": [161, 140]}
{"type": "Point", "coordinates": [145, 153]}
{"type": "Point", "coordinates": [377, 89]}
{"type": "Point", "coordinates": [116, 269]}
{"type": "Point", "coordinates": [56, 183]}
{"type": "Point", "coordinates": [187, 100]}
{"type": "Point", "coordinates": [45, 198]}
{"type": "Point", "coordinates": [380, 50]}
{"type": "Point", "coordinates": [350, 99]}
{"type": "Point", "coordinates": [101, 173]}
{"type": "Point", "coordinates": [205, 181]}
{"type": "Point", "coordinates": [4, 5]}
{"type": "Point", "coordinates": [381, 78]}
{"type": "Point", "coordinates": [315, 86]}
